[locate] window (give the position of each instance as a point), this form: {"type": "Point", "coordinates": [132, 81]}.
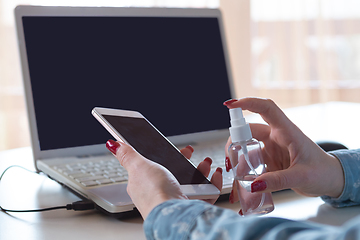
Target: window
{"type": "Point", "coordinates": [306, 51]}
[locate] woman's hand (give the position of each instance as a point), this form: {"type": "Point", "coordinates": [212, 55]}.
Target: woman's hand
{"type": "Point", "coordinates": [204, 167]}
{"type": "Point", "coordinates": [149, 183]}
{"type": "Point", "coordinates": [292, 159]}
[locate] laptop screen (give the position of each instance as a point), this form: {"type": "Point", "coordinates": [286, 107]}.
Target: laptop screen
{"type": "Point", "coordinates": [171, 69]}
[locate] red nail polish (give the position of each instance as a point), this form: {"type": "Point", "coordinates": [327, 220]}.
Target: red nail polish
{"type": "Point", "coordinates": [231, 197]}
{"type": "Point", "coordinates": [209, 160]}
{"type": "Point", "coordinates": [258, 186]}
{"type": "Point", "coordinates": [219, 169]}
{"type": "Point", "coordinates": [190, 148]}
{"type": "Point", "coordinates": [112, 146]}
{"type": "Point", "coordinates": [228, 102]}
{"type": "Point", "coordinates": [227, 164]}
{"type": "Point", "coordinates": [241, 212]}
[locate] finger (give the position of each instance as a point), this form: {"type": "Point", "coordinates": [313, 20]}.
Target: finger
{"type": "Point", "coordinates": [267, 108]}
{"type": "Point", "coordinates": [260, 131]}
{"type": "Point", "coordinates": [126, 155]}
{"type": "Point", "coordinates": [217, 181]}
{"type": "Point", "coordinates": [205, 166]}
{"type": "Point", "coordinates": [277, 180]}
{"type": "Point", "coordinates": [228, 143]}
{"type": "Point", "coordinates": [234, 197]}
{"type": "Point", "coordinates": [187, 151]}
{"type": "Point", "coordinates": [227, 156]}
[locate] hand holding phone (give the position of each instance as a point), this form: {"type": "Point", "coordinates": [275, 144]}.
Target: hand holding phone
{"type": "Point", "coordinates": [132, 128]}
{"type": "Point", "coordinates": [149, 184]}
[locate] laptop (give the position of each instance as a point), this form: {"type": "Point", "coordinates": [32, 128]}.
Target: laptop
{"type": "Point", "coordinates": [171, 65]}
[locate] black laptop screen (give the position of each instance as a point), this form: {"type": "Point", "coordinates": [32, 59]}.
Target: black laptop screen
{"type": "Point", "coordinates": [170, 69]}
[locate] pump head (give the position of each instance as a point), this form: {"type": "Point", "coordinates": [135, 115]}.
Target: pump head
{"type": "Point", "coordinates": [239, 130]}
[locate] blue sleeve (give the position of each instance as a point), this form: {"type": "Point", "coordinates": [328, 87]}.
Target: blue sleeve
{"type": "Point", "coordinates": [195, 219]}
{"type": "Point", "coordinates": [350, 161]}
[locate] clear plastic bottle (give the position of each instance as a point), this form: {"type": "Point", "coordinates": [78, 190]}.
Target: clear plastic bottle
{"type": "Point", "coordinates": [247, 164]}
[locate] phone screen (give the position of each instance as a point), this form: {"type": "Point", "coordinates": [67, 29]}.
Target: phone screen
{"type": "Point", "coordinates": [149, 143]}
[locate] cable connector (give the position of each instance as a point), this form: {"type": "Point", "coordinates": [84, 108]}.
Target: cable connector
{"type": "Point", "coordinates": [81, 205]}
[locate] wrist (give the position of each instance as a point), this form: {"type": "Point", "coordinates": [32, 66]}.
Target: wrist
{"type": "Point", "coordinates": [338, 177]}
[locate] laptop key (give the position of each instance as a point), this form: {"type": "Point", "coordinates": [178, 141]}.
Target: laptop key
{"type": "Point", "coordinates": [97, 173]}
{"type": "Point", "coordinates": [110, 171]}
{"type": "Point", "coordinates": [113, 175]}
{"type": "Point", "coordinates": [89, 183]}
{"type": "Point", "coordinates": [79, 175]}
{"type": "Point", "coordinates": [72, 173]}
{"type": "Point", "coordinates": [91, 178]}
{"type": "Point", "coordinates": [119, 179]}
{"type": "Point", "coordinates": [104, 181]}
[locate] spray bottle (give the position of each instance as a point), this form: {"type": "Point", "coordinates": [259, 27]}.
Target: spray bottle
{"type": "Point", "coordinates": [247, 164]}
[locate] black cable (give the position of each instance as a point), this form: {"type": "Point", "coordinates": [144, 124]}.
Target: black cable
{"type": "Point", "coordinates": [76, 206]}
{"type": "Point", "coordinates": [34, 210]}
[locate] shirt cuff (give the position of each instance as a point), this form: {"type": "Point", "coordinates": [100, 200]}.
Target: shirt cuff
{"type": "Point", "coordinates": [349, 160]}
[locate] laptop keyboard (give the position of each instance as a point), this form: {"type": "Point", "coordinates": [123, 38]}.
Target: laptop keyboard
{"type": "Point", "coordinates": [92, 173]}
{"type": "Point", "coordinates": [214, 150]}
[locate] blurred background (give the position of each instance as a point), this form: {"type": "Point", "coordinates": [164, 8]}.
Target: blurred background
{"type": "Point", "coordinates": [297, 52]}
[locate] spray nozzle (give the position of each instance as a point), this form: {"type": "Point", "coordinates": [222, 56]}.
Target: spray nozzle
{"type": "Point", "coordinates": [236, 117]}
{"type": "Point", "coordinates": [239, 130]}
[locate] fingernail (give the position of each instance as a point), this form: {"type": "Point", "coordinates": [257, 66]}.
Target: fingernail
{"type": "Point", "coordinates": [112, 146]}
{"type": "Point", "coordinates": [228, 102]}
{"type": "Point", "coordinates": [227, 164]}
{"type": "Point", "coordinates": [241, 212]}
{"type": "Point", "coordinates": [219, 169]}
{"type": "Point", "coordinates": [231, 197]}
{"type": "Point", "coordinates": [258, 186]}
{"type": "Point", "coordinates": [209, 160]}
{"type": "Point", "coordinates": [190, 148]}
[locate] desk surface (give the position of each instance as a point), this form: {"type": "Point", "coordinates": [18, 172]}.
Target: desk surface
{"type": "Point", "coordinates": [20, 189]}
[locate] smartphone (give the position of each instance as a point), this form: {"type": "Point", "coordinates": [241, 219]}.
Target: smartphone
{"type": "Point", "coordinates": [134, 129]}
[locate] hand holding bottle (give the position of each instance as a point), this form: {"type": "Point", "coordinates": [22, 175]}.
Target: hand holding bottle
{"type": "Point", "coordinates": [247, 164]}
{"type": "Point", "coordinates": [292, 159]}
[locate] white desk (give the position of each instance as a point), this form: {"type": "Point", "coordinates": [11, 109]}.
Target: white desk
{"type": "Point", "coordinates": [39, 191]}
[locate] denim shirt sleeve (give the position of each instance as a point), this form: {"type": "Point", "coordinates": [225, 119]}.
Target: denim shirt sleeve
{"type": "Point", "coordinates": [350, 161]}
{"type": "Point", "coordinates": [195, 219]}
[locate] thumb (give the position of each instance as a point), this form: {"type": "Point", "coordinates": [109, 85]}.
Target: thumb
{"type": "Point", "coordinates": [275, 181]}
